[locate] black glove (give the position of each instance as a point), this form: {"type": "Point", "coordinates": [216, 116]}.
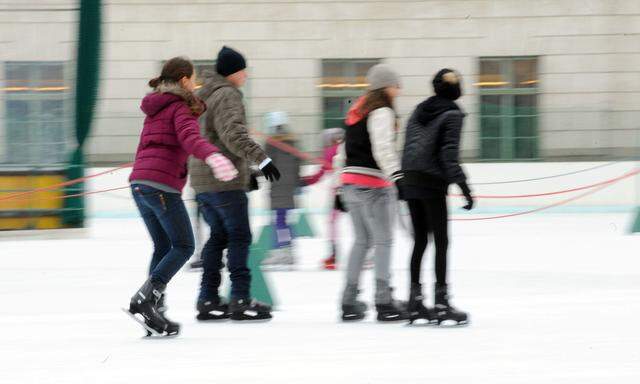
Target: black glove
{"type": "Point", "coordinates": [270, 172]}
{"type": "Point", "coordinates": [253, 183]}
{"type": "Point", "coordinates": [337, 204]}
{"type": "Point", "coordinates": [397, 177]}
{"type": "Point", "coordinates": [467, 195]}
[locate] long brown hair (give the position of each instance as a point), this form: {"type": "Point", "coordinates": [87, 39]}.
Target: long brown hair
{"type": "Point", "coordinates": [376, 99]}
{"type": "Point", "coordinates": [174, 70]}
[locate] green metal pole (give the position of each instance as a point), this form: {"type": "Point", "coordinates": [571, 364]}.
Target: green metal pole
{"type": "Point", "coordinates": [86, 90]}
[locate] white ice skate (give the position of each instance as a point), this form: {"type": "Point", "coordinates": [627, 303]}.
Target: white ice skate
{"type": "Point", "coordinates": [280, 259]}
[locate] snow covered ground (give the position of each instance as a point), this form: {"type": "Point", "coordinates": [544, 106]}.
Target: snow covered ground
{"type": "Point", "coordinates": [553, 298]}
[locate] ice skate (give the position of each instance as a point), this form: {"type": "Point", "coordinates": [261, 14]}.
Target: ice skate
{"type": "Point", "coordinates": [388, 309]}
{"type": "Point", "coordinates": [352, 309]}
{"type": "Point", "coordinates": [329, 263]}
{"type": "Point", "coordinates": [415, 307]}
{"type": "Point", "coordinates": [249, 310]}
{"type": "Point", "coordinates": [279, 259]}
{"type": "Point", "coordinates": [212, 310]}
{"type": "Point", "coordinates": [143, 309]}
{"type": "Point", "coordinates": [445, 313]}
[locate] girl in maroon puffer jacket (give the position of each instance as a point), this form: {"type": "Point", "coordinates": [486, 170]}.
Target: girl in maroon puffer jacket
{"type": "Point", "coordinates": [170, 134]}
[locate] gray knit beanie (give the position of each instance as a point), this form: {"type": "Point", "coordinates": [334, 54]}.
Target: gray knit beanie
{"type": "Point", "coordinates": [382, 76]}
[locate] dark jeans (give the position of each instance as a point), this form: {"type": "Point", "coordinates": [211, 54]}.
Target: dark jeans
{"type": "Point", "coordinates": [227, 213]}
{"type": "Point", "coordinates": [168, 223]}
{"type": "Point", "coordinates": [430, 216]}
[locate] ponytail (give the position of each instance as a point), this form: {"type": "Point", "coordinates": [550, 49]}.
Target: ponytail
{"type": "Point", "coordinates": [155, 82]}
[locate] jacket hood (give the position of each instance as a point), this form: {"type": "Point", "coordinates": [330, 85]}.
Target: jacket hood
{"type": "Point", "coordinates": [356, 113]}
{"type": "Point", "coordinates": [212, 81]}
{"type": "Point", "coordinates": [164, 95]}
{"type": "Point", "coordinates": [433, 107]}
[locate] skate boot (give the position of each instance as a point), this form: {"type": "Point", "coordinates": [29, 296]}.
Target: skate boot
{"type": "Point", "coordinates": [211, 310]}
{"type": "Point", "coordinates": [279, 259]}
{"type": "Point", "coordinates": [196, 266]}
{"type": "Point", "coordinates": [388, 309]}
{"type": "Point", "coordinates": [172, 327]}
{"type": "Point", "coordinates": [352, 309]}
{"type": "Point", "coordinates": [444, 312]}
{"type": "Point", "coordinates": [144, 303]}
{"type": "Point", "coordinates": [248, 309]}
{"type": "Point", "coordinates": [329, 263]}
{"type": "Point", "coordinates": [416, 308]}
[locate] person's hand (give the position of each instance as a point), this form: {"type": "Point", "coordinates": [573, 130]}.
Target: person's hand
{"type": "Point", "coordinates": [467, 195]}
{"type": "Point", "coordinates": [338, 205]}
{"type": "Point", "coordinates": [223, 169]}
{"type": "Point", "coordinates": [397, 177]}
{"type": "Point", "coordinates": [270, 171]}
{"type": "Point", "coordinates": [253, 183]}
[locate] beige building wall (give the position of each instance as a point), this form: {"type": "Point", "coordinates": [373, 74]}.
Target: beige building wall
{"type": "Point", "coordinates": [589, 59]}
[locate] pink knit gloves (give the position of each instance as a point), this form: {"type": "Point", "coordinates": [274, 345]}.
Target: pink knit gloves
{"type": "Point", "coordinates": [223, 169]}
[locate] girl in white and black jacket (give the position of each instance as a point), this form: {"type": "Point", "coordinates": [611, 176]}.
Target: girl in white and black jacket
{"type": "Point", "coordinates": [370, 165]}
{"type": "Point", "coordinates": [430, 162]}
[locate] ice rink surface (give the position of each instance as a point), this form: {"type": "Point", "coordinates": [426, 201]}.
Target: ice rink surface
{"type": "Point", "coordinates": [553, 298]}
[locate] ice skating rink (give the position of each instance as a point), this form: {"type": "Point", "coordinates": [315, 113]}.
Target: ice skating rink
{"type": "Point", "coordinates": [553, 298]}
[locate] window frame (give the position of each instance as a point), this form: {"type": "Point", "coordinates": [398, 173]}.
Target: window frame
{"type": "Point", "coordinates": [354, 91]}
{"type": "Point", "coordinates": [507, 138]}
{"type": "Point", "coordinates": [35, 141]}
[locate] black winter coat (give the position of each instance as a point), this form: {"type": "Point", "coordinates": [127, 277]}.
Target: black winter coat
{"type": "Point", "coordinates": [432, 143]}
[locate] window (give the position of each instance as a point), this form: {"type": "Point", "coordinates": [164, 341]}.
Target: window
{"type": "Point", "coordinates": [343, 81]}
{"type": "Point", "coordinates": [508, 108]}
{"type": "Point", "coordinates": [37, 114]}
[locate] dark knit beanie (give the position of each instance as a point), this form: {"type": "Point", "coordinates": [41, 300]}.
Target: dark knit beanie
{"type": "Point", "coordinates": [446, 83]}
{"type": "Point", "coordinates": [229, 62]}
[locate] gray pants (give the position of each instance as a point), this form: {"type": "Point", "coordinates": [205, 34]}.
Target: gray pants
{"type": "Point", "coordinates": [370, 211]}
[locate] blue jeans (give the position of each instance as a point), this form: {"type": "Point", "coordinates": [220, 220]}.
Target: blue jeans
{"type": "Point", "coordinates": [227, 213]}
{"type": "Point", "coordinates": [168, 223]}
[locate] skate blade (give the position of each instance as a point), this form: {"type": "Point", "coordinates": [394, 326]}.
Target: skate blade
{"type": "Point", "coordinates": [422, 322]}
{"type": "Point", "coordinates": [452, 323]}
{"type": "Point", "coordinates": [393, 319]}
{"type": "Point", "coordinates": [252, 318]}
{"type": "Point", "coordinates": [150, 331]}
{"type": "Point", "coordinates": [353, 317]}
{"type": "Point", "coordinates": [212, 318]}
{"type": "Point", "coordinates": [278, 268]}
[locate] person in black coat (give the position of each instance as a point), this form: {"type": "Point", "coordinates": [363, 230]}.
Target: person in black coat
{"type": "Point", "coordinates": [430, 162]}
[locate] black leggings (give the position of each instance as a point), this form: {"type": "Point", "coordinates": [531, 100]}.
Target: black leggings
{"type": "Point", "coordinates": [429, 216]}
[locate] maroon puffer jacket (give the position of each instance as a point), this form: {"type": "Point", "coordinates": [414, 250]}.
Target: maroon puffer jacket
{"type": "Point", "coordinates": [170, 134]}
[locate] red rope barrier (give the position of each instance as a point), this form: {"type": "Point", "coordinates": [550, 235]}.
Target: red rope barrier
{"type": "Point", "coordinates": [632, 173]}
{"type": "Point", "coordinates": [600, 187]}
{"type": "Point", "coordinates": [64, 184]}
{"type": "Point", "coordinates": [94, 192]}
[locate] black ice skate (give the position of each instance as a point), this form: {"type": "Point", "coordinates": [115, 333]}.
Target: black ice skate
{"type": "Point", "coordinates": [195, 266]}
{"type": "Point", "coordinates": [393, 311]}
{"type": "Point", "coordinates": [354, 311]}
{"type": "Point", "coordinates": [212, 310]}
{"type": "Point", "coordinates": [143, 309]}
{"type": "Point", "coordinates": [445, 313]}
{"type": "Point", "coordinates": [352, 308]}
{"type": "Point", "coordinates": [416, 309]}
{"type": "Point", "coordinates": [388, 309]}
{"type": "Point", "coordinates": [248, 309]}
{"type": "Point", "coordinates": [173, 328]}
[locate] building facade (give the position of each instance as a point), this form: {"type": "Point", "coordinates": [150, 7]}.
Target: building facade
{"type": "Point", "coordinates": [543, 80]}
